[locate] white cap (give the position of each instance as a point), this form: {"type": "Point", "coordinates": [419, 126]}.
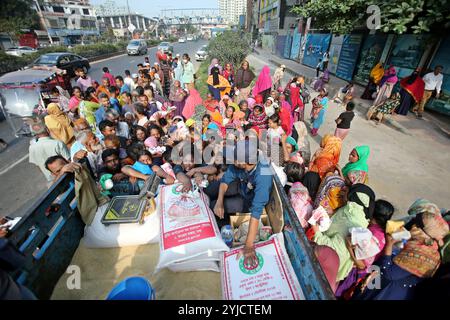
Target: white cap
{"type": "Point", "coordinates": [134, 75]}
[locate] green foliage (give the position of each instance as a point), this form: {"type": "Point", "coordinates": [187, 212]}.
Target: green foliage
{"type": "Point", "coordinates": [343, 16]}
{"type": "Point", "coordinates": [202, 77]}
{"type": "Point", "coordinates": [230, 47]}
{"type": "Point", "coordinates": [16, 15]}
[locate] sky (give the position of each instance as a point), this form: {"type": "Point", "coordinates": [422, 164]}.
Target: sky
{"type": "Point", "coordinates": [151, 8]}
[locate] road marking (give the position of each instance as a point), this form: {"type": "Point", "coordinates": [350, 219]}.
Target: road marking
{"type": "Point", "coordinates": [13, 165]}
{"type": "Point", "coordinates": [120, 55]}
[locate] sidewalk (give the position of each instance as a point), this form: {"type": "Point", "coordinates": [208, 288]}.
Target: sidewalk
{"type": "Point", "coordinates": [408, 158]}
{"type": "Point", "coordinates": [433, 120]}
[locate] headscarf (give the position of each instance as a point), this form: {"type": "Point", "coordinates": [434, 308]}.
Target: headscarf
{"type": "Point", "coordinates": [293, 143]}
{"type": "Point", "coordinates": [263, 82]}
{"type": "Point", "coordinates": [211, 105]}
{"type": "Point", "coordinates": [364, 196]}
{"type": "Point", "coordinates": [328, 156]}
{"type": "Point", "coordinates": [389, 76]}
{"type": "Point", "coordinates": [214, 61]}
{"type": "Point", "coordinates": [227, 73]}
{"type": "Point", "coordinates": [331, 194]}
{"type": "Point", "coordinates": [311, 180]}
{"type": "Point", "coordinates": [259, 99]}
{"type": "Point", "coordinates": [377, 73]}
{"type": "Point", "coordinates": [58, 123]}
{"type": "Point", "coordinates": [215, 74]}
{"type": "Point", "coordinates": [73, 103]}
{"type": "Point", "coordinates": [251, 102]}
{"type": "Point", "coordinates": [176, 93]}
{"type": "Point", "coordinates": [360, 165]}
{"type": "Point", "coordinates": [194, 99]}
{"type": "Point", "coordinates": [287, 120]}
{"type": "Point", "coordinates": [329, 262]}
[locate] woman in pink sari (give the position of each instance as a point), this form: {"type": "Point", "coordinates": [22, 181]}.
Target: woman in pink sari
{"type": "Point", "coordinates": [287, 120]}
{"type": "Point", "coordinates": [194, 99]}
{"type": "Point", "coordinates": [263, 84]}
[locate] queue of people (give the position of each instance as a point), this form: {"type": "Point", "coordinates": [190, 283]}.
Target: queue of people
{"type": "Point", "coordinates": [154, 121]}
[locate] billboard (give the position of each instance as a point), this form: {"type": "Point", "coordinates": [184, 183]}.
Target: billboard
{"type": "Point", "coordinates": [316, 45]}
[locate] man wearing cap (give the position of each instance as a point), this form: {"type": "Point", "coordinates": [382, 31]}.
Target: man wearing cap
{"type": "Point", "coordinates": [254, 180]}
{"type": "Point", "coordinates": [278, 76]}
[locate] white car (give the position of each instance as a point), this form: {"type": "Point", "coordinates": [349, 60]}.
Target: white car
{"type": "Point", "coordinates": [190, 38]}
{"type": "Point", "coordinates": [202, 53]}
{"type": "Point", "coordinates": [20, 51]}
{"type": "Point", "coordinates": [182, 40]}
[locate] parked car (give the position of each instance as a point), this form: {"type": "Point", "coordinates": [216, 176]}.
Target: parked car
{"type": "Point", "coordinates": [190, 38]}
{"type": "Point", "coordinates": [20, 51]}
{"type": "Point", "coordinates": [165, 47]}
{"type": "Point", "coordinates": [182, 40]}
{"type": "Point", "coordinates": [63, 60]}
{"type": "Point", "coordinates": [137, 47]}
{"type": "Point", "coordinates": [202, 53]}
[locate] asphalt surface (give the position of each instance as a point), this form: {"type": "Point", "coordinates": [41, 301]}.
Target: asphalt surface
{"type": "Point", "coordinates": [22, 183]}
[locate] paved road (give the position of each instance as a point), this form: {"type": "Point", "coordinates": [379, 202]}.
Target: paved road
{"type": "Point", "coordinates": [21, 183]}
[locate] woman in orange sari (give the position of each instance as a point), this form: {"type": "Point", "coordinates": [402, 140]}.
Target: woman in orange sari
{"type": "Point", "coordinates": [327, 157]}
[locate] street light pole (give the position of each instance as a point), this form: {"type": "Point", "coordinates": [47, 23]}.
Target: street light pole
{"type": "Point", "coordinates": [41, 17]}
{"type": "Point", "coordinates": [129, 20]}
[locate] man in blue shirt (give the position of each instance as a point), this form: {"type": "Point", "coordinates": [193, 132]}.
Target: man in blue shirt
{"type": "Point", "coordinates": [105, 105]}
{"type": "Point", "coordinates": [255, 186]}
{"type": "Point", "coordinates": [123, 87]}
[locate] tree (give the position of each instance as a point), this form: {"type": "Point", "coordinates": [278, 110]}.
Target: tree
{"type": "Point", "coordinates": [16, 15]}
{"type": "Point", "coordinates": [343, 16]}
{"type": "Point", "coordinates": [230, 47]}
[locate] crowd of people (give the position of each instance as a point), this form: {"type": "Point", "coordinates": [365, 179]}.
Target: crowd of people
{"type": "Point", "coordinates": [131, 125]}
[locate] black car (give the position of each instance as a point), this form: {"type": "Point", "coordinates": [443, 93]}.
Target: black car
{"type": "Point", "coordinates": [63, 60]}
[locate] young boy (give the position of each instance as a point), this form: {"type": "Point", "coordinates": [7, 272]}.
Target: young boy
{"type": "Point", "coordinates": [344, 120]}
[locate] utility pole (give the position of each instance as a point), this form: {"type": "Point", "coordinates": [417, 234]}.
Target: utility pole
{"type": "Point", "coordinates": [41, 17]}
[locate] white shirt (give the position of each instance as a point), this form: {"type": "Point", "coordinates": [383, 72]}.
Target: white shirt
{"type": "Point", "coordinates": [433, 81]}
{"type": "Point", "coordinates": [130, 83]}
{"type": "Point", "coordinates": [44, 148]}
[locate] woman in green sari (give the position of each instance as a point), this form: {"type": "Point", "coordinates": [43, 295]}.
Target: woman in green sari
{"type": "Point", "coordinates": [356, 170]}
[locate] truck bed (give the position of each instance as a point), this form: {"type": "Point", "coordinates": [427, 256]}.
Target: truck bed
{"type": "Point", "coordinates": [102, 269]}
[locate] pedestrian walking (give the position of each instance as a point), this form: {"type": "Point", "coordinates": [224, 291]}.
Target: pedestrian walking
{"type": "Point", "coordinates": [433, 82]}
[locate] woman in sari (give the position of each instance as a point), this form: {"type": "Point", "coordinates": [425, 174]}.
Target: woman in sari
{"type": "Point", "coordinates": [177, 97]}
{"type": "Point", "coordinates": [217, 84]}
{"type": "Point", "coordinates": [378, 112]}
{"type": "Point", "coordinates": [318, 111]}
{"type": "Point", "coordinates": [374, 78]}
{"type": "Point", "coordinates": [287, 121]}
{"type": "Point", "coordinates": [244, 78]}
{"type": "Point", "coordinates": [356, 213]}
{"type": "Point", "coordinates": [210, 103]}
{"type": "Point", "coordinates": [194, 99]}
{"type": "Point", "coordinates": [291, 150]}
{"type": "Point", "coordinates": [263, 84]}
{"type": "Point", "coordinates": [325, 78]}
{"type": "Point", "coordinates": [327, 157]}
{"type": "Point", "coordinates": [228, 73]}
{"type": "Point", "coordinates": [383, 211]}
{"type": "Point", "coordinates": [226, 102]}
{"type": "Point", "coordinates": [297, 106]}
{"type": "Point", "coordinates": [332, 193]}
{"type": "Point", "coordinates": [356, 170]}
{"type": "Point", "coordinates": [418, 260]}
{"type": "Point", "coordinates": [386, 85]}
{"type": "Point", "coordinates": [411, 92]}
{"type": "Point", "coordinates": [59, 125]}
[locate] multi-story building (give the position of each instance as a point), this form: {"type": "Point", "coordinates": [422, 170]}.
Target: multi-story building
{"type": "Point", "coordinates": [68, 21]}
{"type": "Point", "coordinates": [276, 20]}
{"type": "Point", "coordinates": [231, 10]}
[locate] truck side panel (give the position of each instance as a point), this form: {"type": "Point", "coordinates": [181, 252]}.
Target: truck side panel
{"type": "Point", "coordinates": [48, 240]}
